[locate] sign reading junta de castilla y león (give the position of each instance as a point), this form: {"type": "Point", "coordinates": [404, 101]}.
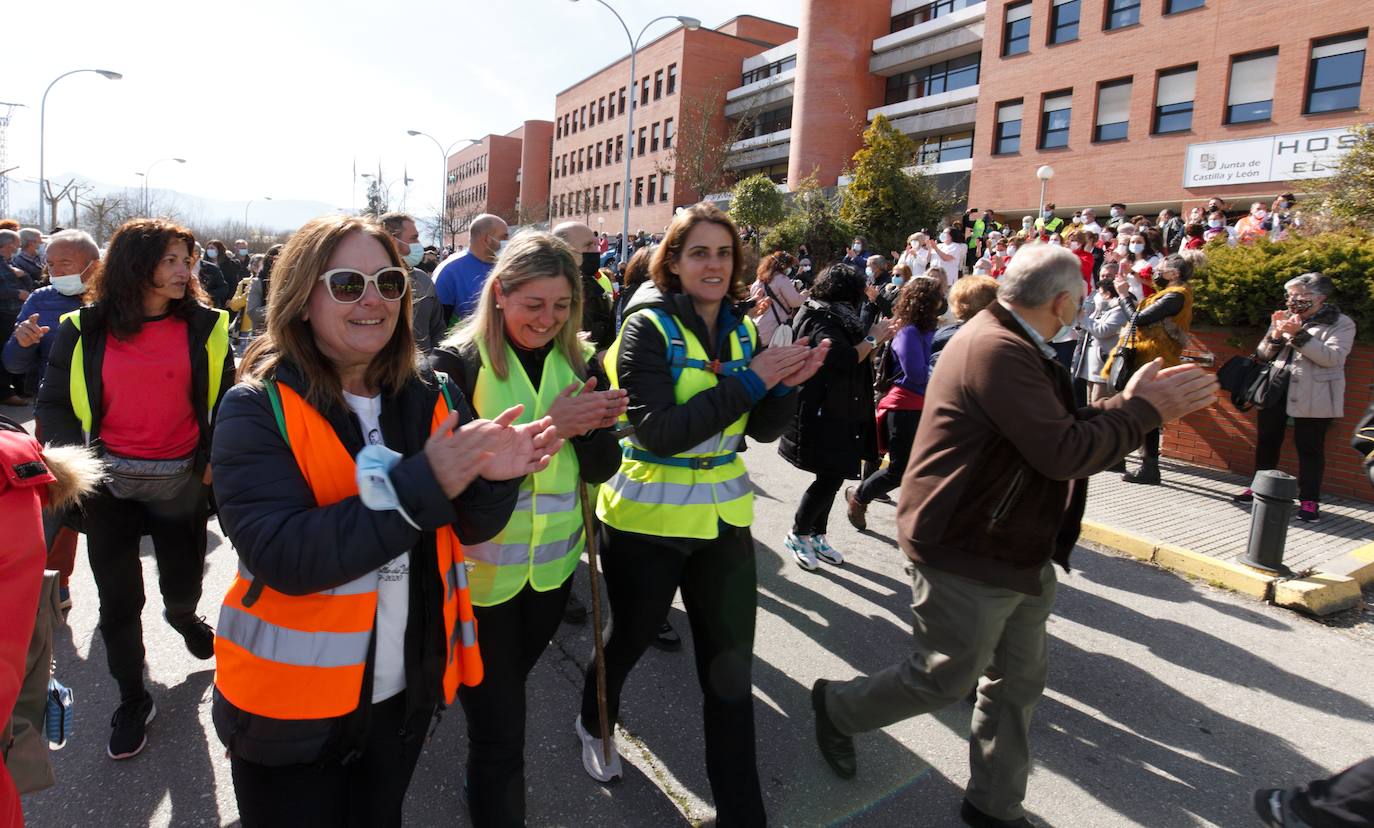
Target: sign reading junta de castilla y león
{"type": "Point", "coordinates": [1287, 157]}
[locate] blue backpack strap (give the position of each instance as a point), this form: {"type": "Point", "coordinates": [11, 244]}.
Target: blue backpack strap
{"type": "Point", "coordinates": [746, 343]}
{"type": "Point", "coordinates": [677, 346]}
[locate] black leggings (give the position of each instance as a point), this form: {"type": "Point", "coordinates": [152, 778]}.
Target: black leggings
{"type": "Point", "coordinates": [1309, 436]}
{"type": "Point", "coordinates": [513, 636]}
{"type": "Point", "coordinates": [813, 512]}
{"type": "Point", "coordinates": [901, 433]}
{"type": "Point", "coordinates": [720, 589]}
{"type": "Point", "coordinates": [369, 791]}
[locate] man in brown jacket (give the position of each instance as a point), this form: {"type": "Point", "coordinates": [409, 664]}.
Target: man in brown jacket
{"type": "Point", "coordinates": [994, 492]}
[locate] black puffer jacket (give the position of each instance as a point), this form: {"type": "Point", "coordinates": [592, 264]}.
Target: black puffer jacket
{"type": "Point", "coordinates": [833, 429]}
{"type": "Point", "coordinates": [296, 547]}
{"type": "Point", "coordinates": [661, 425]}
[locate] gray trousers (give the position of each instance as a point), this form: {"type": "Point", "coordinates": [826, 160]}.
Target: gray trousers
{"type": "Point", "coordinates": [965, 631]}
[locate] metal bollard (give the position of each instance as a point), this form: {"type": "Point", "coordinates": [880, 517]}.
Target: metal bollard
{"type": "Point", "coordinates": [1274, 494]}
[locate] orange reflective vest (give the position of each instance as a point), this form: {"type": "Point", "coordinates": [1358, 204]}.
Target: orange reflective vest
{"type": "Point", "coordinates": [303, 656]}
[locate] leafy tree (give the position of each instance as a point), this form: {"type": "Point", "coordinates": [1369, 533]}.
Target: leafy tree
{"type": "Point", "coordinates": [812, 219]}
{"type": "Point", "coordinates": [756, 201]}
{"type": "Point", "coordinates": [701, 146]}
{"type": "Point", "coordinates": [1346, 199]}
{"type": "Point", "coordinates": [884, 202]}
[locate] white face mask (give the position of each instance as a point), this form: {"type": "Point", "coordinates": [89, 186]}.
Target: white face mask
{"type": "Point", "coordinates": [1075, 246]}
{"type": "Point", "coordinates": [1138, 248]}
{"type": "Point", "coordinates": [69, 285]}
{"type": "Point", "coordinates": [1054, 240]}
{"type": "Point", "coordinates": [1011, 249]}
{"type": "Point", "coordinates": [1215, 224]}
{"type": "Point", "coordinates": [211, 252]}
{"type": "Point", "coordinates": [1121, 249]}
{"type": "Point", "coordinates": [945, 237]}
{"type": "Point", "coordinates": [501, 247]}
{"type": "Point", "coordinates": [868, 271]}
{"type": "Point", "coordinates": [856, 247]}
{"type": "Point", "coordinates": [243, 251]}
{"type": "Point", "coordinates": [1116, 213]}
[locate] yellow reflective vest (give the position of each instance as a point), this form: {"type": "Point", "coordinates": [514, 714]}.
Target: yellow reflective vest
{"type": "Point", "coordinates": [543, 540]}
{"type": "Point", "coordinates": [689, 494]}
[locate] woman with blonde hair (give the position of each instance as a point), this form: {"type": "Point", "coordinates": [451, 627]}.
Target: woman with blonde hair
{"type": "Point", "coordinates": [349, 480]}
{"type": "Point", "coordinates": [521, 347]}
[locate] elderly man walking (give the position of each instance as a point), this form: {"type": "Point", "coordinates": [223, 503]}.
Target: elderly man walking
{"type": "Point", "coordinates": [992, 496]}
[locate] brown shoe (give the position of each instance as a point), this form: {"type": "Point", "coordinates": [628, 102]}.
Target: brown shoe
{"type": "Point", "coordinates": [855, 509]}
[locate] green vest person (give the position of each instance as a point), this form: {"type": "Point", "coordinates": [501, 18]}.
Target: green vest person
{"type": "Point", "coordinates": [519, 348]}
{"type": "Point", "coordinates": [678, 510]}
{"type": "Point", "coordinates": [1048, 221]}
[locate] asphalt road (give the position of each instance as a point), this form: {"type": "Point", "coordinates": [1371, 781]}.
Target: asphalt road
{"type": "Point", "coordinates": [1168, 703]}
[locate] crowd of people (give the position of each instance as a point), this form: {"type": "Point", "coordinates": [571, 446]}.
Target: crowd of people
{"type": "Point", "coordinates": [411, 452]}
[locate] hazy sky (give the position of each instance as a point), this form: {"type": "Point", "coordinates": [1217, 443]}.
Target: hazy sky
{"type": "Point", "coordinates": [278, 98]}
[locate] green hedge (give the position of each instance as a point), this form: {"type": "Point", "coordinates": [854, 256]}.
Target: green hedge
{"type": "Point", "coordinates": [1243, 285]}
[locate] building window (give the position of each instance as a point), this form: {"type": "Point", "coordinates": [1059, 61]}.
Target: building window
{"type": "Point", "coordinates": [598, 155]}
{"type": "Point", "coordinates": [582, 114]}
{"type": "Point", "coordinates": [1008, 137]}
{"type": "Point", "coordinates": [621, 108]}
{"type": "Point", "coordinates": [580, 166]}
{"type": "Point", "coordinates": [1176, 6]}
{"type": "Point", "coordinates": [1113, 111]}
{"type": "Point", "coordinates": [777, 67]}
{"type": "Point", "coordinates": [653, 188]}
{"type": "Point", "coordinates": [1016, 31]}
{"type": "Point", "coordinates": [1250, 96]}
{"type": "Point", "coordinates": [643, 139]}
{"type": "Point", "coordinates": [1174, 95]}
{"type": "Point", "coordinates": [601, 109]}
{"type": "Point", "coordinates": [1122, 13]}
{"type": "Point", "coordinates": [558, 128]}
{"type": "Point", "coordinates": [944, 76]}
{"type": "Point", "coordinates": [1337, 70]}
{"type": "Point", "coordinates": [662, 186]}
{"type": "Point", "coordinates": [653, 139]}
{"type": "Point", "coordinates": [615, 196]}
{"type": "Point", "coordinates": [644, 91]}
{"type": "Point", "coordinates": [672, 78]}
{"type": "Point", "coordinates": [1064, 21]}
{"type": "Point", "coordinates": [956, 147]}
{"type": "Point", "coordinates": [591, 114]}
{"type": "Point", "coordinates": [928, 12]}
{"type": "Point", "coordinates": [668, 134]}
{"type": "Point", "coordinates": [639, 191]}
{"type": "Point", "coordinates": [619, 148]}
{"type": "Point", "coordinates": [1054, 120]}
{"type": "Point", "coordinates": [658, 84]}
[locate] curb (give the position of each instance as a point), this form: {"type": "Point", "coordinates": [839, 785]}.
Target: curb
{"type": "Point", "coordinates": [1320, 593]}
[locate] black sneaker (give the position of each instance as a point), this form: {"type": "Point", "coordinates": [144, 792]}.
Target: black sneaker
{"type": "Point", "coordinates": [667, 639]}
{"type": "Point", "coordinates": [977, 819]}
{"type": "Point", "coordinates": [198, 635]}
{"type": "Point", "coordinates": [130, 723]}
{"type": "Point", "coordinates": [836, 748]}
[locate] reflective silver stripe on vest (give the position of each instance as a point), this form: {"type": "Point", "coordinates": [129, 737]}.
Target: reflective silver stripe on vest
{"type": "Point", "coordinates": [457, 579]}
{"type": "Point", "coordinates": [357, 586]}
{"type": "Point", "coordinates": [515, 554]}
{"type": "Point", "coordinates": [465, 631]}
{"type": "Point", "coordinates": [715, 444]}
{"type": "Point", "coordinates": [294, 647]}
{"type": "Point", "coordinates": [680, 494]}
{"type": "Point", "coordinates": [547, 504]}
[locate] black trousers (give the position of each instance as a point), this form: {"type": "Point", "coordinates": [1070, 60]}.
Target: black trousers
{"type": "Point", "coordinates": [1150, 448]}
{"type": "Point", "coordinates": [1346, 800]}
{"type": "Point", "coordinates": [114, 528]}
{"type": "Point", "coordinates": [513, 636]}
{"type": "Point", "coordinates": [720, 590]}
{"type": "Point", "coordinates": [10, 384]}
{"type": "Point", "coordinates": [813, 512]}
{"type": "Point", "coordinates": [1309, 437]}
{"type": "Point", "coordinates": [901, 433]}
{"type": "Point", "coordinates": [367, 792]}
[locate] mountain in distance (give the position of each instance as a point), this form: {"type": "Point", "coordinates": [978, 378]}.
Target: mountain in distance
{"type": "Point", "coordinates": [285, 214]}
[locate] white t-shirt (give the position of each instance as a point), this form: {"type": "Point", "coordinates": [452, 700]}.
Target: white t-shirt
{"type": "Point", "coordinates": [955, 251]}
{"type": "Point", "coordinates": [918, 261]}
{"type": "Point", "coordinates": [393, 589]}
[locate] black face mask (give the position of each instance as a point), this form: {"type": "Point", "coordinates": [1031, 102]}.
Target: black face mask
{"type": "Point", "coordinates": [1160, 282]}
{"type": "Point", "coordinates": [591, 262]}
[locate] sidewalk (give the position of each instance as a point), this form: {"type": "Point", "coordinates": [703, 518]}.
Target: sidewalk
{"type": "Point", "coordinates": [1189, 524]}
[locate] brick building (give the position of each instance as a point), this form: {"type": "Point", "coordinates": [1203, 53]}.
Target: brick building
{"type": "Point", "coordinates": [506, 175]}
{"type": "Point", "coordinates": [681, 84]}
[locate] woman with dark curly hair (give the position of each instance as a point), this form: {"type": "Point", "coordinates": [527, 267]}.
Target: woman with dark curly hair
{"type": "Point", "coordinates": [832, 433]}
{"type": "Point", "coordinates": [139, 373]}
{"type": "Point", "coordinates": [917, 311]}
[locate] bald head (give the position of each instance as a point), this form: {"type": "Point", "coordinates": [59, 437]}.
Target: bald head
{"type": "Point", "coordinates": [579, 236]}
{"type": "Point", "coordinates": [485, 235]}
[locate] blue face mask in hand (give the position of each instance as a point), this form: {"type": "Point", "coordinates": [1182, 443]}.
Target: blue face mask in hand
{"type": "Point", "coordinates": [375, 463]}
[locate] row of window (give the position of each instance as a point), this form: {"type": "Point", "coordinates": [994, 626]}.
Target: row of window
{"type": "Point", "coordinates": [956, 146]}
{"type": "Point", "coordinates": [945, 76]}
{"type": "Point", "coordinates": [652, 138]}
{"type": "Point", "coordinates": [1335, 75]}
{"type": "Point", "coordinates": [647, 190]}
{"type": "Point", "coordinates": [929, 11]}
{"type": "Point", "coordinates": [664, 82]}
{"type": "Point", "coordinates": [1065, 17]}
{"type": "Point", "coordinates": [777, 67]}
{"type": "Point", "coordinates": [774, 120]}
{"type": "Point", "coordinates": [468, 168]}
{"type": "Point", "coordinates": [467, 195]}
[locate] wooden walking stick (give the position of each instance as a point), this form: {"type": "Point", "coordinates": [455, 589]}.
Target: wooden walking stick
{"type": "Point", "coordinates": [589, 532]}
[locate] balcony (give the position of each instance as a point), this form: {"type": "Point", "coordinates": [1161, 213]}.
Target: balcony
{"type": "Point", "coordinates": [763, 149]}
{"type": "Point", "coordinates": [950, 34]}
{"type": "Point", "coordinates": [929, 103]}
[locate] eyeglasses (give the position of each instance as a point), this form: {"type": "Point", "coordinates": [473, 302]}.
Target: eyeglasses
{"type": "Point", "coordinates": [347, 285]}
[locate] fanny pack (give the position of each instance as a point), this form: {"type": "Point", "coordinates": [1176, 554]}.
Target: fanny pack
{"type": "Point", "coordinates": [132, 478]}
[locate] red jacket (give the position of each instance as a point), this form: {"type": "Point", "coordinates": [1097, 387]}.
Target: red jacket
{"type": "Point", "coordinates": [1085, 261]}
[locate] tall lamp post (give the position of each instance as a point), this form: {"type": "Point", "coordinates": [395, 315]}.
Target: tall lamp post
{"type": "Point", "coordinates": [146, 174]}
{"type": "Point", "coordinates": [689, 23]}
{"type": "Point", "coordinates": [42, 130]}
{"type": "Point", "coordinates": [245, 210]}
{"type": "Point", "coordinates": [443, 181]}
{"type": "Point", "coordinates": [1045, 173]}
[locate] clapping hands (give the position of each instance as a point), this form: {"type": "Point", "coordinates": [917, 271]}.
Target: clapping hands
{"type": "Point", "coordinates": [494, 449]}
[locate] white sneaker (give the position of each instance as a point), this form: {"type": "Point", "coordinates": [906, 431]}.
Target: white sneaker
{"type": "Point", "coordinates": [593, 760]}
{"type": "Point", "coordinates": [825, 551]}
{"type": "Point", "coordinates": [802, 551]}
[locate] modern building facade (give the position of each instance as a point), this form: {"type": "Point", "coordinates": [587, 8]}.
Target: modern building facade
{"type": "Point", "coordinates": [506, 175]}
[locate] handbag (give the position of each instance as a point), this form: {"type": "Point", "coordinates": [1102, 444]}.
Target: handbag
{"type": "Point", "coordinates": [147, 481]}
{"type": "Point", "coordinates": [1269, 388]}
{"type": "Point", "coordinates": [1124, 362]}
{"type": "Point", "coordinates": [1237, 376]}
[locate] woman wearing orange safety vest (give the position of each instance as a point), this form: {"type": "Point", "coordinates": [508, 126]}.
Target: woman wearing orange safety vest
{"type": "Point", "coordinates": [351, 479]}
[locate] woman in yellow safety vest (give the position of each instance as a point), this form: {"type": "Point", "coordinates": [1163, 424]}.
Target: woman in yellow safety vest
{"type": "Point", "coordinates": [678, 510]}
{"type": "Point", "coordinates": [521, 347]}
{"type": "Point", "coordinates": [349, 480]}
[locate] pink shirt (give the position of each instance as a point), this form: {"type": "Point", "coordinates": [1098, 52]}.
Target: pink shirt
{"type": "Point", "coordinates": [146, 408]}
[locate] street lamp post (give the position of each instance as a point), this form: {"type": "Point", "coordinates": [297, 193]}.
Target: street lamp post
{"type": "Point", "coordinates": [1045, 173]}
{"type": "Point", "coordinates": [245, 210]}
{"type": "Point", "coordinates": [42, 130]}
{"type": "Point", "coordinates": [689, 23]}
{"type": "Point", "coordinates": [147, 196]}
{"type": "Point", "coordinates": [443, 181]}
